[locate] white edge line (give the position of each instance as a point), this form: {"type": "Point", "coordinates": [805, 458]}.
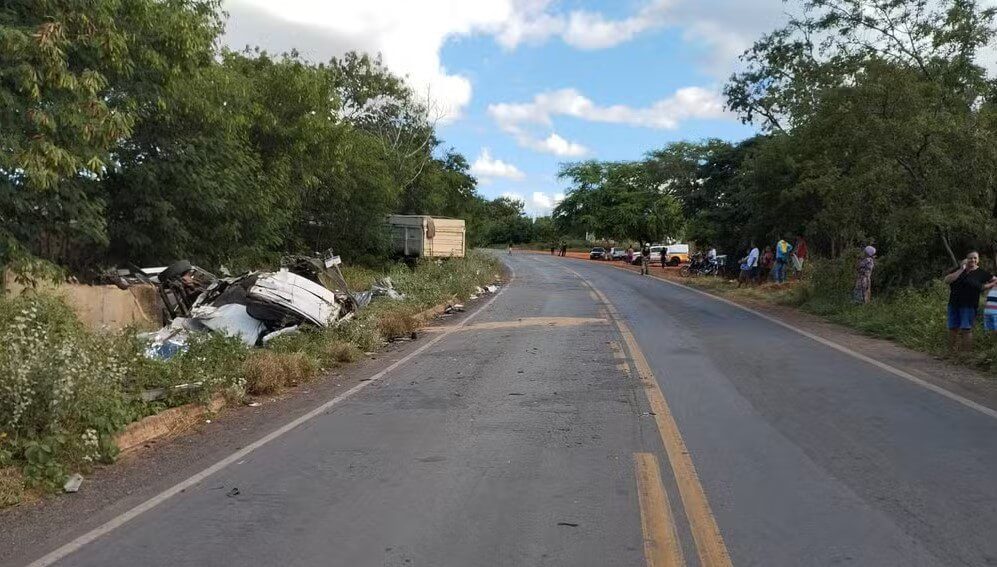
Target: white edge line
{"type": "Point", "coordinates": [73, 546]}
{"type": "Point", "coordinates": [840, 348]}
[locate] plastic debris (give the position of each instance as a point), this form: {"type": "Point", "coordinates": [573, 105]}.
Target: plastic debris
{"type": "Point", "coordinates": [73, 483]}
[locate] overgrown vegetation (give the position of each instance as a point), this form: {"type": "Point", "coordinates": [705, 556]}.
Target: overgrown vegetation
{"type": "Point", "coordinates": [129, 136]}
{"type": "Point", "coordinates": [66, 391]}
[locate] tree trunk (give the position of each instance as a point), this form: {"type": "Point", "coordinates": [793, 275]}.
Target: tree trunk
{"type": "Point", "coordinates": [948, 248]}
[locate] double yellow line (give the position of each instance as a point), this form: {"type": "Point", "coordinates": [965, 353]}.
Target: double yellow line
{"type": "Point", "coordinates": [662, 546]}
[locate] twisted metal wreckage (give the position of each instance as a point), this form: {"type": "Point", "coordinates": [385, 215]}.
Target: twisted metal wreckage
{"type": "Point", "coordinates": [256, 307]}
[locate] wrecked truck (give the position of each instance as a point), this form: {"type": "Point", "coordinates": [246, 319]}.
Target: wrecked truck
{"type": "Point", "coordinates": [255, 307]}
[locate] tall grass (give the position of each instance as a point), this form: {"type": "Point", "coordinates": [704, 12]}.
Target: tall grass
{"type": "Point", "coordinates": [914, 317]}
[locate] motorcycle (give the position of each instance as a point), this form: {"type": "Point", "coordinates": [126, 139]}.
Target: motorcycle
{"type": "Point", "coordinates": [699, 266]}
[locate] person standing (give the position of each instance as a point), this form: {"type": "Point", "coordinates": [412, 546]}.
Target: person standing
{"type": "Point", "coordinates": [965, 285]}
{"type": "Point", "coordinates": [552, 249]}
{"type": "Point", "coordinates": [768, 259]}
{"type": "Point", "coordinates": [749, 269]}
{"type": "Point", "coordinates": [862, 293]}
{"type": "Point", "coordinates": [630, 255]}
{"type": "Point", "coordinates": [990, 311]}
{"type": "Point", "coordinates": [564, 249]}
{"type": "Point", "coordinates": [799, 255]}
{"type": "Point", "coordinates": [645, 260]}
{"type": "Point", "coordinates": [782, 251]}
{"type": "Point", "coordinates": [510, 248]}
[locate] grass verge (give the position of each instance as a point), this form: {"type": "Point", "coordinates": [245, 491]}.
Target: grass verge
{"type": "Point", "coordinates": [911, 316]}
{"type": "Point", "coordinates": [65, 390]}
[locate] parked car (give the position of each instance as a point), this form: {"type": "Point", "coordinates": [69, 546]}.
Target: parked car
{"type": "Point", "coordinates": [616, 253]}
{"type": "Point", "coordinates": [597, 253]}
{"type": "Point", "coordinates": [676, 254]}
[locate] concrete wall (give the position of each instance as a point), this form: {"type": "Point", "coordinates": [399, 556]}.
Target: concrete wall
{"type": "Point", "coordinates": [103, 306]}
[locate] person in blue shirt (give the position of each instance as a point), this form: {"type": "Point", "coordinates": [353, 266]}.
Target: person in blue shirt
{"type": "Point", "coordinates": [782, 252]}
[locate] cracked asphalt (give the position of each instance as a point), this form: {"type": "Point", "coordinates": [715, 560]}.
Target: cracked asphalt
{"type": "Point", "coordinates": [512, 441]}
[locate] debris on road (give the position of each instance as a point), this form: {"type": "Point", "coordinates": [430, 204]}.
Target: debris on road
{"type": "Point", "coordinates": [73, 483]}
{"type": "Point", "coordinates": [255, 307]}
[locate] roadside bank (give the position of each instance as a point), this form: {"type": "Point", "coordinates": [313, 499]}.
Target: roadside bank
{"type": "Point", "coordinates": [70, 391]}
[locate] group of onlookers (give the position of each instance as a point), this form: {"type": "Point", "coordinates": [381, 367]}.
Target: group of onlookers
{"type": "Point", "coordinates": [966, 283]}
{"type": "Point", "coordinates": [773, 262]}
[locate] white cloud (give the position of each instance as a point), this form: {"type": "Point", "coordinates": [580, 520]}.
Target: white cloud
{"type": "Point", "coordinates": [514, 196]}
{"type": "Point", "coordinates": [543, 202]}
{"type": "Point", "coordinates": [539, 203]}
{"type": "Point", "coordinates": [487, 167]}
{"type": "Point", "coordinates": [532, 22]}
{"type": "Point", "coordinates": [553, 144]}
{"type": "Point", "coordinates": [409, 35]}
{"type": "Point", "coordinates": [667, 113]}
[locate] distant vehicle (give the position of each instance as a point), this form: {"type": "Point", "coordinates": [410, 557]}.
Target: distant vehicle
{"type": "Point", "coordinates": [597, 253]}
{"type": "Point", "coordinates": [676, 254]}
{"type": "Point", "coordinates": [655, 255]}
{"type": "Point", "coordinates": [617, 253]}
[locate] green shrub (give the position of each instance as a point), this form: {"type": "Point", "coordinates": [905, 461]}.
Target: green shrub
{"type": "Point", "coordinates": [61, 389]}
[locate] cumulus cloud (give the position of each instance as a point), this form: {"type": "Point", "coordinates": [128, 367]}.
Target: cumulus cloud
{"type": "Point", "coordinates": [544, 202]}
{"type": "Point", "coordinates": [667, 113]}
{"type": "Point", "coordinates": [722, 28]}
{"type": "Point", "coordinates": [539, 203]}
{"type": "Point", "coordinates": [409, 35]}
{"type": "Point", "coordinates": [486, 167]}
{"type": "Point", "coordinates": [533, 22]}
{"type": "Point", "coordinates": [553, 144]}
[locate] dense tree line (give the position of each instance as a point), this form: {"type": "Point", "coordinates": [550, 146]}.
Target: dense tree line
{"type": "Point", "coordinates": [129, 136]}
{"type": "Point", "coordinates": [878, 125]}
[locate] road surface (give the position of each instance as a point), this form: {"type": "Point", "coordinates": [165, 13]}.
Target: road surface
{"type": "Point", "coordinates": [590, 416]}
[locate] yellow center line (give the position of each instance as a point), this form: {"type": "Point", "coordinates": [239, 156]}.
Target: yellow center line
{"type": "Point", "coordinates": [709, 542]}
{"type": "Point", "coordinates": [528, 322]}
{"type": "Point", "coordinates": [661, 541]}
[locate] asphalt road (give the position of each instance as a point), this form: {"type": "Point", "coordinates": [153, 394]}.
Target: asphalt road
{"type": "Point", "coordinates": [534, 435]}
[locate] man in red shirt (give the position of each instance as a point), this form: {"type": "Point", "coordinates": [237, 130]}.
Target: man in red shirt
{"type": "Point", "coordinates": [799, 254]}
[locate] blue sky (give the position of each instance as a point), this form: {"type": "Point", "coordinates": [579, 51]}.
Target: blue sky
{"type": "Point", "coordinates": [521, 86]}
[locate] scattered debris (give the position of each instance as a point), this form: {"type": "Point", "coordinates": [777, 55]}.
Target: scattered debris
{"type": "Point", "coordinates": [234, 492]}
{"type": "Point", "coordinates": [253, 404]}
{"type": "Point", "coordinates": [256, 307]}
{"type": "Point", "coordinates": [73, 483]}
{"type": "Point", "coordinates": [568, 524]}
{"type": "Point", "coordinates": [458, 307]}
{"type": "Point", "coordinates": [472, 297]}
{"type": "Point", "coordinates": [491, 288]}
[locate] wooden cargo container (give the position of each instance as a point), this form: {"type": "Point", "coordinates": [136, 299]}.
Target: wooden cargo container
{"type": "Point", "coordinates": [427, 237]}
